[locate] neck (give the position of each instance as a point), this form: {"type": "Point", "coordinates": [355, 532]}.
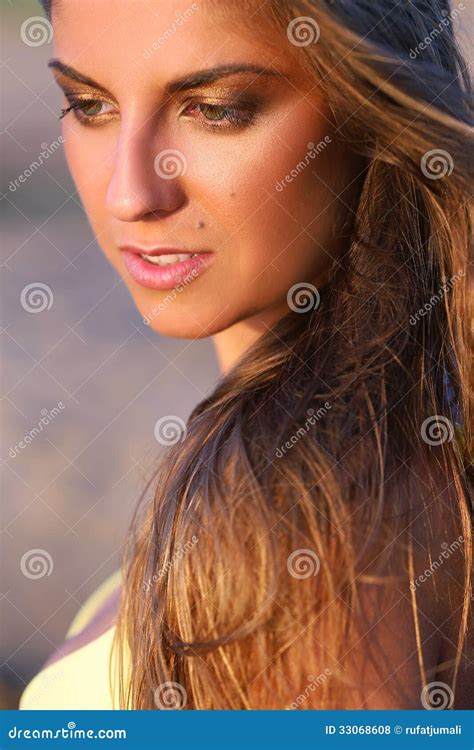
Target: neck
{"type": "Point", "coordinates": [232, 343]}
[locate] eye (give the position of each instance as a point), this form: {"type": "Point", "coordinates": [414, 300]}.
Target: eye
{"type": "Point", "coordinates": [88, 111]}
{"type": "Point", "coordinates": [222, 116]}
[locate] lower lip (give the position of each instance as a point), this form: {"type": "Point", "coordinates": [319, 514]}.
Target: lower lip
{"type": "Point", "coordinates": [165, 277]}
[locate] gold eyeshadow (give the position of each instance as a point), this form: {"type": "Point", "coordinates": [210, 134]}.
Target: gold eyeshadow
{"type": "Point", "coordinates": [240, 103]}
{"type": "Point", "coordinates": [217, 88]}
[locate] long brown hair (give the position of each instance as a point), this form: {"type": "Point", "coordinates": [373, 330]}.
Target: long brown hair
{"type": "Point", "coordinates": [299, 457]}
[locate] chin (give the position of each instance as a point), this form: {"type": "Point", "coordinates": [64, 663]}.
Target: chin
{"type": "Point", "coordinates": [175, 321]}
{"type": "Point", "coordinates": [180, 329]}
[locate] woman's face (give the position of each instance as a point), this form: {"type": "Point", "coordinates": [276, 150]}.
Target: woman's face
{"type": "Point", "coordinates": [168, 153]}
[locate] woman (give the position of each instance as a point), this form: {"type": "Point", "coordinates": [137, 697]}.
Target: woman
{"type": "Point", "coordinates": [291, 179]}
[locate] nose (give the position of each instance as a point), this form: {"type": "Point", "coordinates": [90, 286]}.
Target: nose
{"type": "Point", "coordinates": [142, 182]}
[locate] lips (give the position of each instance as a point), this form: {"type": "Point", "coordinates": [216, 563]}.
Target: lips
{"type": "Point", "coordinates": [177, 266]}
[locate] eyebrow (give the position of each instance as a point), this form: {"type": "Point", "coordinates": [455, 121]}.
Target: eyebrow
{"type": "Point", "coordinates": [190, 81]}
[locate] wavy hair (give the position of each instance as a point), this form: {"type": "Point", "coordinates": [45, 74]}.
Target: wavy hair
{"type": "Point", "coordinates": [209, 601]}
{"type": "Point", "coordinates": [220, 618]}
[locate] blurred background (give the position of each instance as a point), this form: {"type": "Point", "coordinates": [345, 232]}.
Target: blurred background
{"type": "Point", "coordinates": [76, 355]}
{"type": "Point", "coordinates": [85, 364]}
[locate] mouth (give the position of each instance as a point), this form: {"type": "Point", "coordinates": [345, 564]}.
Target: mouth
{"type": "Point", "coordinates": [165, 268]}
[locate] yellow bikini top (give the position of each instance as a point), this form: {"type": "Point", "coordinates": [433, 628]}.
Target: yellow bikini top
{"type": "Point", "coordinates": [80, 679]}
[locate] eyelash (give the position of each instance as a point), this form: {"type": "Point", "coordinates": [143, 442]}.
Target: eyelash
{"type": "Point", "coordinates": [237, 115]}
{"type": "Point", "coordinates": [77, 104]}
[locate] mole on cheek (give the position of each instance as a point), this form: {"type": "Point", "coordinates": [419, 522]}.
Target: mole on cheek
{"type": "Point", "coordinates": [200, 224]}
{"type": "Point", "coordinates": [232, 195]}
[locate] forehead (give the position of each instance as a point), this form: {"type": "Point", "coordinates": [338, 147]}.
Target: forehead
{"type": "Point", "coordinates": [159, 40]}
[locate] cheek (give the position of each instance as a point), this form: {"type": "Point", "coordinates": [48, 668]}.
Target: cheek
{"type": "Point", "coordinates": [268, 184]}
{"type": "Point", "coordinates": [234, 179]}
{"type": "Point", "coordinates": [89, 161]}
